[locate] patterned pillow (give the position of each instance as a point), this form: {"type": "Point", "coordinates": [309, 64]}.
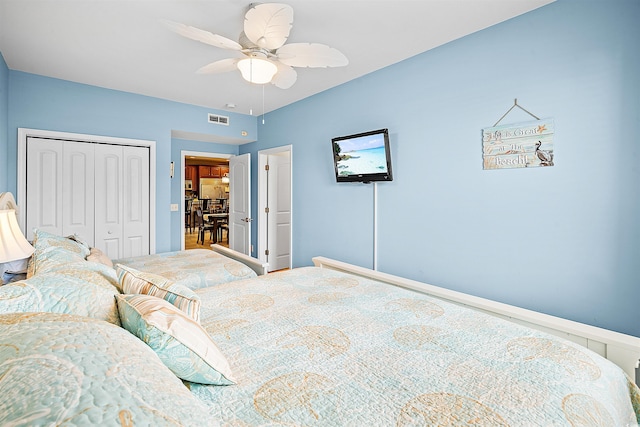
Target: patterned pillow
{"type": "Point", "coordinates": [61, 369]}
{"type": "Point", "coordinates": [48, 258]}
{"type": "Point", "coordinates": [42, 240]}
{"type": "Point", "coordinates": [52, 251]}
{"type": "Point", "coordinates": [133, 281]}
{"type": "Point", "coordinates": [84, 289]}
{"type": "Point", "coordinates": [182, 344]}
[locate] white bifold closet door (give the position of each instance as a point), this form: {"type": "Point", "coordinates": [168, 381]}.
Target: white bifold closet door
{"type": "Point", "coordinates": [122, 200]}
{"type": "Point", "coordinates": [98, 191]}
{"type": "Point", "coordinates": [60, 188]}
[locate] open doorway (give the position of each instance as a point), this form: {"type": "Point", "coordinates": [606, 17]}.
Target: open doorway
{"type": "Point", "coordinates": [205, 191]}
{"type": "Point", "coordinates": [274, 207]}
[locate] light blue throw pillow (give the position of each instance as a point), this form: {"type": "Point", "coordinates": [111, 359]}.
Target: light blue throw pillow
{"type": "Point", "coordinates": [61, 369]}
{"type": "Point", "coordinates": [82, 288]}
{"type": "Point", "coordinates": [180, 342]}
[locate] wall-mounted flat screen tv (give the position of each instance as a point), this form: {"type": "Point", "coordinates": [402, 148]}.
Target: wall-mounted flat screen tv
{"type": "Point", "coordinates": [363, 157]}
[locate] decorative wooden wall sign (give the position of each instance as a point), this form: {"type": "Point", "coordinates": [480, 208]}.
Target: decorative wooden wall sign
{"type": "Point", "coordinates": [520, 145]}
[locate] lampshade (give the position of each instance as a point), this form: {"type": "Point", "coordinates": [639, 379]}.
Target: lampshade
{"type": "Point", "coordinates": [225, 178]}
{"type": "Point", "coordinates": [13, 244]}
{"type": "Point", "coordinates": [257, 70]}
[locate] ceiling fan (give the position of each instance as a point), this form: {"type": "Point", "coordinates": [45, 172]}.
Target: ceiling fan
{"type": "Point", "coordinates": [266, 58]}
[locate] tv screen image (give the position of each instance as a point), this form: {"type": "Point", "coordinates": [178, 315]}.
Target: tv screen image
{"type": "Point", "coordinates": [362, 157]}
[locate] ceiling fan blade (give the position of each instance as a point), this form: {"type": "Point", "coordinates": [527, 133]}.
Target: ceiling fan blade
{"type": "Point", "coordinates": [268, 24]}
{"type": "Point", "coordinates": [285, 77]}
{"type": "Point", "coordinates": [203, 36]}
{"type": "Point", "coordinates": [222, 66]}
{"type": "Point", "coordinates": [311, 55]}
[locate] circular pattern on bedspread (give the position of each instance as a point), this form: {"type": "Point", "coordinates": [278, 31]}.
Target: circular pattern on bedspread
{"type": "Point", "coordinates": [445, 409]}
{"type": "Point", "coordinates": [14, 293]}
{"type": "Point", "coordinates": [178, 275]}
{"type": "Point", "coordinates": [584, 411]}
{"type": "Point", "coordinates": [339, 282]}
{"type": "Point", "coordinates": [248, 303]}
{"type": "Point", "coordinates": [56, 377]}
{"type": "Point", "coordinates": [419, 307]}
{"type": "Point", "coordinates": [298, 398]}
{"type": "Point", "coordinates": [419, 337]}
{"type": "Point", "coordinates": [575, 362]}
{"type": "Point", "coordinates": [497, 386]}
{"type": "Point", "coordinates": [323, 298]}
{"type": "Point", "coordinates": [319, 340]}
{"type": "Point", "coordinates": [237, 269]}
{"type": "Point", "coordinates": [223, 327]}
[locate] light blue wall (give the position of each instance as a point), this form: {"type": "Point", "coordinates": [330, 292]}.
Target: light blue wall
{"type": "Point", "coordinates": [562, 240]}
{"type": "Point", "coordinates": [4, 116]}
{"type": "Point", "coordinates": [44, 103]}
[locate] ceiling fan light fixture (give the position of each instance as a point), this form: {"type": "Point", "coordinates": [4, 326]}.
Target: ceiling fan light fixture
{"type": "Point", "coordinates": [263, 41]}
{"type": "Point", "coordinates": [257, 70]}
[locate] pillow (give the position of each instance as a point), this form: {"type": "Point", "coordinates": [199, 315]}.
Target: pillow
{"type": "Point", "coordinates": [84, 289]}
{"type": "Point", "coordinates": [42, 240]}
{"type": "Point", "coordinates": [181, 343]}
{"type": "Point", "coordinates": [96, 255]}
{"type": "Point", "coordinates": [61, 369]}
{"type": "Point", "coordinates": [79, 239]}
{"type": "Point", "coordinates": [133, 281]}
{"type": "Point", "coordinates": [51, 257]}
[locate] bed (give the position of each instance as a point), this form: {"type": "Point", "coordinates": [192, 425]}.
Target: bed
{"type": "Point", "coordinates": [199, 268]}
{"type": "Point", "coordinates": [317, 346]}
{"type": "Point", "coordinates": [331, 344]}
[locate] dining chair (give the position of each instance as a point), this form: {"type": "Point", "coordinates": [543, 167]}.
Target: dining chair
{"type": "Point", "coordinates": [202, 226]}
{"type": "Point", "coordinates": [188, 215]}
{"type": "Point", "coordinates": [222, 226]}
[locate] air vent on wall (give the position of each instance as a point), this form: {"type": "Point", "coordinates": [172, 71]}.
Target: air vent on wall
{"type": "Point", "coordinates": [217, 119]}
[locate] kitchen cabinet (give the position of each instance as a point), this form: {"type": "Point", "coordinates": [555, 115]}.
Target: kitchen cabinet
{"type": "Point", "coordinates": [190, 173]}
{"type": "Point", "coordinates": [211, 171]}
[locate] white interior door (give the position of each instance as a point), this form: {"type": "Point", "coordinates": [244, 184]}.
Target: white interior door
{"type": "Point", "coordinates": [279, 211]}
{"type": "Point", "coordinates": [136, 201]}
{"type": "Point", "coordinates": [44, 179]}
{"type": "Point", "coordinates": [60, 177]}
{"type": "Point", "coordinates": [122, 200]}
{"type": "Point", "coordinates": [78, 210]}
{"type": "Point", "coordinates": [109, 229]}
{"type": "Point", "coordinates": [240, 203]}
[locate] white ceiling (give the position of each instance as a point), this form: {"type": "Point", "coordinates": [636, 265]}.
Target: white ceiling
{"type": "Point", "coordinates": [120, 44]}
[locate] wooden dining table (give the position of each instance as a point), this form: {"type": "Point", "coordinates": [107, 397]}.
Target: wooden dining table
{"type": "Point", "coordinates": [215, 219]}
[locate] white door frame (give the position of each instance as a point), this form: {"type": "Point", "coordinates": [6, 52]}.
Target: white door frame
{"type": "Point", "coordinates": [24, 133]}
{"type": "Point", "coordinates": [263, 156]}
{"type": "Point", "coordinates": [183, 163]}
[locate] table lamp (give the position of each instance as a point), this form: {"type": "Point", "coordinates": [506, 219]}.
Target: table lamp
{"type": "Point", "coordinates": [14, 247]}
